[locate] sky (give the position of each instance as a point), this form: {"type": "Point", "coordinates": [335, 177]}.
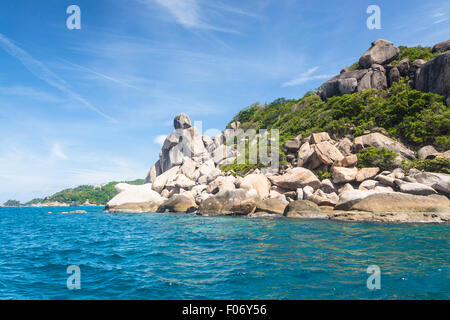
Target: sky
{"type": "Point", "coordinates": [93, 105]}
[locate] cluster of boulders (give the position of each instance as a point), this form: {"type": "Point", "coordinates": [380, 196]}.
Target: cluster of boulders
{"type": "Point", "coordinates": [178, 183]}
{"type": "Point", "coordinates": [376, 71]}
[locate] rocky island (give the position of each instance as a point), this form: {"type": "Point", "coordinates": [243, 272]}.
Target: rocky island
{"type": "Point", "coordinates": [370, 144]}
{"type": "Point", "coordinates": [361, 171]}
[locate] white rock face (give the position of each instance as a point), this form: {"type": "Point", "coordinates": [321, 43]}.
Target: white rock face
{"type": "Point", "coordinates": [180, 181]}
{"type": "Point", "coordinates": [342, 175]}
{"type": "Point", "coordinates": [366, 173]}
{"type": "Point", "coordinates": [188, 168]}
{"type": "Point", "coordinates": [161, 180]}
{"type": "Point", "coordinates": [348, 198]}
{"type": "Point", "coordinates": [135, 194]}
{"type": "Point", "coordinates": [259, 182]}
{"type": "Point", "coordinates": [296, 178]}
{"type": "Point", "coordinates": [437, 181]}
{"type": "Point", "coordinates": [223, 152]}
{"type": "Point", "coordinates": [414, 188]}
{"type": "Point", "coordinates": [380, 141]}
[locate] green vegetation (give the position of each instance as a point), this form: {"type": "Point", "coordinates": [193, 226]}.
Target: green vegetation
{"type": "Point", "coordinates": [323, 174]}
{"type": "Point", "coordinates": [12, 203]}
{"type": "Point", "coordinates": [81, 194]}
{"type": "Point", "coordinates": [414, 53]}
{"type": "Point", "coordinates": [430, 165]}
{"type": "Point", "coordinates": [240, 169]}
{"type": "Point", "coordinates": [353, 67]}
{"type": "Point", "coordinates": [374, 157]}
{"type": "Point", "coordinates": [413, 117]}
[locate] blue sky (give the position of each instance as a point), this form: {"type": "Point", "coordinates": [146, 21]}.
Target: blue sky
{"type": "Point", "coordinates": [87, 106]}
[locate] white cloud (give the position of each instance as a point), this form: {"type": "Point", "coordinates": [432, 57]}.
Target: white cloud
{"type": "Point", "coordinates": [102, 76]}
{"type": "Point", "coordinates": [43, 73]}
{"type": "Point", "coordinates": [189, 14]}
{"type": "Point", "coordinates": [160, 139]}
{"type": "Point", "coordinates": [57, 152]}
{"type": "Point", "coordinates": [305, 77]}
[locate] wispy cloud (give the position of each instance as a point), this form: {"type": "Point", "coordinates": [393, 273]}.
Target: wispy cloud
{"type": "Point", "coordinates": [191, 14]}
{"type": "Point", "coordinates": [57, 152]}
{"type": "Point", "coordinates": [45, 74]}
{"type": "Point", "coordinates": [305, 77]}
{"type": "Point", "coordinates": [101, 75]}
{"type": "Point", "coordinates": [160, 139]}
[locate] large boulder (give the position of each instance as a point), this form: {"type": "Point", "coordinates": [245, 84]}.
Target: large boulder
{"type": "Point", "coordinates": [135, 198]}
{"type": "Point", "coordinates": [296, 178]}
{"type": "Point", "coordinates": [342, 174]}
{"type": "Point", "coordinates": [272, 205]}
{"type": "Point", "coordinates": [426, 151]}
{"type": "Point", "coordinates": [324, 199]}
{"type": "Point", "coordinates": [179, 145]}
{"type": "Point", "coordinates": [414, 188]}
{"type": "Point", "coordinates": [182, 121]}
{"type": "Point", "coordinates": [319, 137]}
{"type": "Point", "coordinates": [161, 180]}
{"type": "Point", "coordinates": [348, 198]}
{"type": "Point", "coordinates": [151, 176]}
{"type": "Point", "coordinates": [401, 202]}
{"type": "Point", "coordinates": [223, 152]}
{"type": "Point", "coordinates": [378, 80]}
{"type": "Point", "coordinates": [259, 182]}
{"type": "Point", "coordinates": [441, 47]}
{"type": "Point", "coordinates": [221, 183]}
{"type": "Point", "coordinates": [188, 168]}
{"type": "Point", "coordinates": [403, 67]}
{"type": "Point", "coordinates": [293, 144]}
{"type": "Point", "coordinates": [366, 173]}
{"type": "Point", "coordinates": [438, 181]}
{"type": "Point", "coordinates": [327, 153]}
{"type": "Point", "coordinates": [346, 82]}
{"type": "Point", "coordinates": [178, 203]}
{"type": "Point", "coordinates": [304, 154]}
{"type": "Point", "coordinates": [379, 141]}
{"type": "Point", "coordinates": [434, 76]}
{"type": "Point", "coordinates": [230, 202]}
{"type": "Point", "coordinates": [303, 209]}
{"type": "Point", "coordinates": [381, 52]}
{"type": "Point", "coordinates": [180, 181]}
{"type": "Point", "coordinates": [345, 146]}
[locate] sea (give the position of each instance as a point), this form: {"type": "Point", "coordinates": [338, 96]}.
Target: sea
{"type": "Point", "coordinates": [48, 254]}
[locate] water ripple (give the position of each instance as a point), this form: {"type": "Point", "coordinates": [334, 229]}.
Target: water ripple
{"type": "Point", "coordinates": [174, 256]}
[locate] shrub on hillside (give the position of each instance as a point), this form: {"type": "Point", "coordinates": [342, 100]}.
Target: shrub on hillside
{"type": "Point", "coordinates": [429, 165]}
{"type": "Point", "coordinates": [374, 157]}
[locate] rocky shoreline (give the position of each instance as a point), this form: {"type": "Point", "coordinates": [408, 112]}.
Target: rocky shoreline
{"type": "Point", "coordinates": [197, 184]}
{"type": "Point", "coordinates": [190, 177]}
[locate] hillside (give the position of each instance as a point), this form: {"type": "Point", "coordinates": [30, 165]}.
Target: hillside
{"type": "Point", "coordinates": [79, 195]}
{"type": "Point", "coordinates": [399, 111]}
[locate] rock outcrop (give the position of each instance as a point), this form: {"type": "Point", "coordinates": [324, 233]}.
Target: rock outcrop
{"type": "Point", "coordinates": [381, 141]}
{"type": "Point", "coordinates": [376, 72]}
{"type": "Point", "coordinates": [133, 198]}
{"type": "Point", "coordinates": [381, 52]}
{"type": "Point", "coordinates": [434, 76]}
{"type": "Point", "coordinates": [322, 177]}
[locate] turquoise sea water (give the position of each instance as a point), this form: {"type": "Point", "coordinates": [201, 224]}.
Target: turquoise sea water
{"type": "Point", "coordinates": [178, 256]}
